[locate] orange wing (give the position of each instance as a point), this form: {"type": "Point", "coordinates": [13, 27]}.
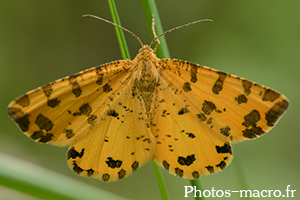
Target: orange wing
{"type": "Point", "coordinates": [99, 112]}
{"type": "Point", "coordinates": [60, 111]}
{"type": "Point", "coordinates": [200, 111]}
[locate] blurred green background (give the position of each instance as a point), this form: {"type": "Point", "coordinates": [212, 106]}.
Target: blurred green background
{"type": "Point", "coordinates": [41, 41]}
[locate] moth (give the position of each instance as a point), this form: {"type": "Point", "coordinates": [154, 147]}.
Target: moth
{"type": "Point", "coordinates": [119, 115]}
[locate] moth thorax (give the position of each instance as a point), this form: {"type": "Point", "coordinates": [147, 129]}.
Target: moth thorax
{"type": "Point", "coordinates": [146, 81]}
{"type": "Point", "coordinates": [147, 77]}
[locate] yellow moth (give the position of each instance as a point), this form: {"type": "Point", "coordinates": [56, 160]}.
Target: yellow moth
{"type": "Point", "coordinates": [119, 115]}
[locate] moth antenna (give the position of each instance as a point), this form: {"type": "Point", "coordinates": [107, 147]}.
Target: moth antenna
{"type": "Point", "coordinates": [121, 27]}
{"type": "Point", "coordinates": [154, 33]}
{"type": "Point", "coordinates": [178, 27]}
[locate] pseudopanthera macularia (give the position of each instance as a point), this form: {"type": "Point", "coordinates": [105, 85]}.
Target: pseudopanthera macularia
{"type": "Point", "coordinates": [119, 115]}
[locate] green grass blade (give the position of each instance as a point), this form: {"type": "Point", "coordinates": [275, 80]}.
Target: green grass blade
{"type": "Point", "coordinates": [160, 181]}
{"type": "Point", "coordinates": [149, 9]}
{"type": "Point", "coordinates": [241, 173]}
{"type": "Point", "coordinates": [162, 52]}
{"type": "Point", "coordinates": [197, 183]}
{"type": "Point", "coordinates": [124, 48]}
{"type": "Point", "coordinates": [45, 184]}
{"type": "Point", "coordinates": [120, 35]}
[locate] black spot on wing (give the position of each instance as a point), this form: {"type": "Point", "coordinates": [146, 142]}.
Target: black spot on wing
{"type": "Point", "coordinates": [186, 161]}
{"type": "Point", "coordinates": [135, 165]}
{"type": "Point", "coordinates": [68, 133]}
{"type": "Point", "coordinates": [208, 107]}
{"type": "Point", "coordinates": [72, 153]}
{"type": "Point", "coordinates": [84, 109]}
{"type": "Point", "coordinates": [42, 137]}
{"type": "Point", "coordinates": [23, 100]}
{"type": "Point", "coordinates": [99, 80]}
{"type": "Point", "coordinates": [183, 111]}
{"type": "Point", "coordinates": [187, 87]}
{"type": "Point", "coordinates": [105, 177]}
{"type": "Point", "coordinates": [221, 165]}
{"type": "Point", "coordinates": [224, 149]}
{"type": "Point", "coordinates": [275, 112]}
{"type": "Point", "coordinates": [76, 90]}
{"type": "Point", "coordinates": [147, 140]}
{"type": "Point", "coordinates": [107, 88]}
{"type": "Point", "coordinates": [218, 86]}
{"type": "Point", "coordinates": [253, 132]}
{"type": "Point", "coordinates": [178, 172]}
{"type": "Point", "coordinates": [122, 173]}
{"type": "Point", "coordinates": [191, 135]}
{"type": "Point", "coordinates": [76, 168]}
{"type": "Point", "coordinates": [21, 118]}
{"type": "Point", "coordinates": [112, 113]}
{"type": "Point", "coordinates": [113, 163]}
{"type": "Point", "coordinates": [91, 119]}
{"type": "Point", "coordinates": [195, 174]}
{"type": "Point", "coordinates": [225, 131]}
{"type": "Point", "coordinates": [201, 116]}
{"type": "Point", "coordinates": [247, 86]}
{"type": "Point", "coordinates": [193, 73]}
{"type": "Point", "coordinates": [210, 169]}
{"type": "Point", "coordinates": [90, 172]}
{"type": "Point", "coordinates": [53, 102]}
{"type": "Point", "coordinates": [165, 113]}
{"type": "Point", "coordinates": [209, 121]}
{"type": "Point", "coordinates": [270, 95]}
{"type": "Point", "coordinates": [47, 90]}
{"type": "Point", "coordinates": [251, 119]}
{"type": "Point", "coordinates": [166, 165]}
{"type": "Point", "coordinates": [43, 122]}
{"type": "Point", "coordinates": [241, 99]}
